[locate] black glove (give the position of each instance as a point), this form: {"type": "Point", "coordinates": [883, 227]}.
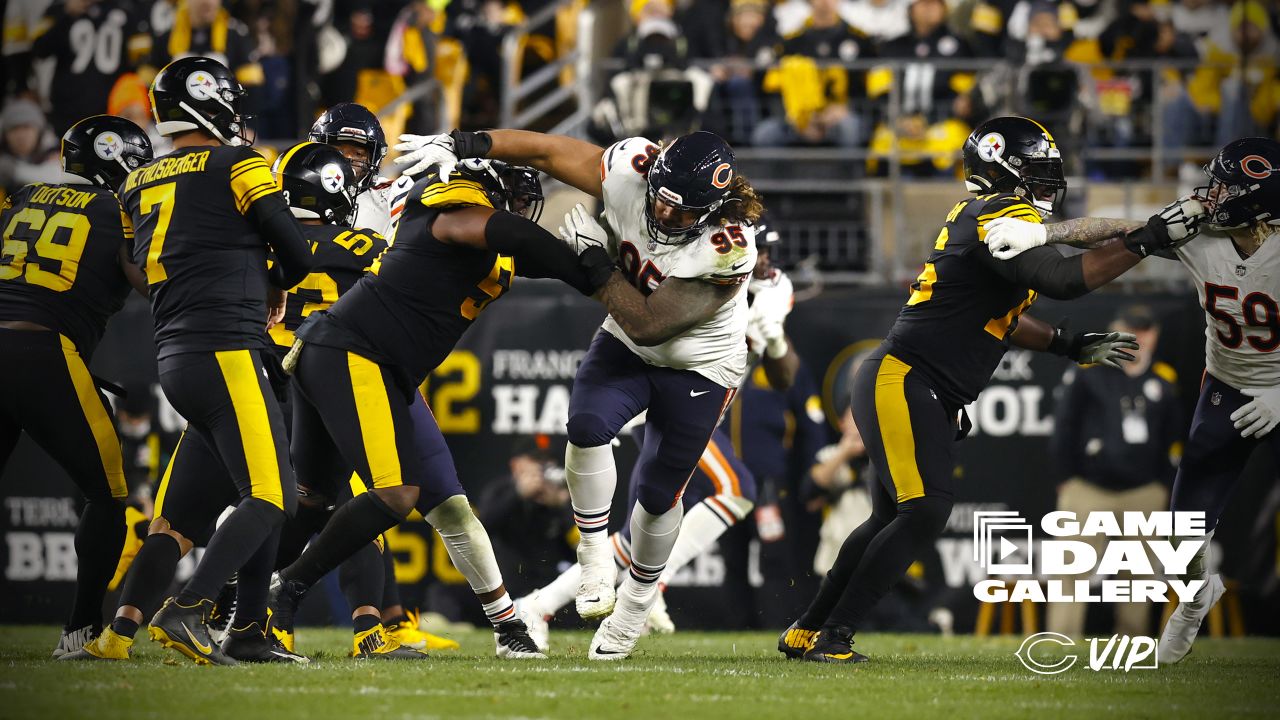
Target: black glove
{"type": "Point", "coordinates": [1173, 226]}
{"type": "Point", "coordinates": [599, 267]}
{"type": "Point", "coordinates": [471, 144]}
{"type": "Point", "coordinates": [1090, 348]}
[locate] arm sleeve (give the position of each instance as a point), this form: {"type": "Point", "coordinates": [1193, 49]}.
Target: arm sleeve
{"type": "Point", "coordinates": [1042, 269]}
{"type": "Point", "coordinates": [1068, 418]}
{"type": "Point", "coordinates": [538, 253]}
{"type": "Point", "coordinates": [271, 216]}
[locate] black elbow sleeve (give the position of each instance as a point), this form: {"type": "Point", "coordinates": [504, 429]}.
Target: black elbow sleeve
{"type": "Point", "coordinates": [534, 247]}
{"type": "Point", "coordinates": [1059, 278]}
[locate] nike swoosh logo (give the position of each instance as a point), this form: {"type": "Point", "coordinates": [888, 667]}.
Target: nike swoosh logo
{"type": "Point", "coordinates": [696, 394]}
{"type": "Point", "coordinates": [205, 649]}
{"type": "Point", "coordinates": [738, 265]}
{"type": "Point", "coordinates": [841, 656]}
{"type": "Point", "coordinates": [594, 599]}
{"type": "Point", "coordinates": [602, 651]}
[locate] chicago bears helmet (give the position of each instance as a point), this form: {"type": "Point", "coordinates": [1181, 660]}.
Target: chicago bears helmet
{"type": "Point", "coordinates": [353, 123]}
{"type": "Point", "coordinates": [1017, 155]}
{"type": "Point", "coordinates": [692, 174]}
{"type": "Point", "coordinates": [103, 149]}
{"type": "Point", "coordinates": [318, 183]}
{"type": "Point", "coordinates": [1244, 184]}
{"type": "Point", "coordinates": [199, 93]}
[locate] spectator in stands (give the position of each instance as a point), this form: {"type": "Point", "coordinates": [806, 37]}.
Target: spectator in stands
{"type": "Point", "coordinates": [1114, 435]}
{"type": "Point", "coordinates": [879, 20]}
{"type": "Point", "coordinates": [528, 519]}
{"type": "Point", "coordinates": [925, 91]}
{"type": "Point", "coordinates": [481, 37]}
{"type": "Point", "coordinates": [839, 471]}
{"type": "Point", "coordinates": [703, 24]}
{"type": "Point", "coordinates": [1198, 18]}
{"type": "Point", "coordinates": [129, 100]}
{"type": "Point", "coordinates": [655, 42]}
{"type": "Point", "coordinates": [362, 56]}
{"type": "Point", "coordinates": [205, 27]}
{"type": "Point", "coordinates": [29, 152]}
{"type": "Point", "coordinates": [748, 45]}
{"type": "Point", "coordinates": [411, 55]}
{"type": "Point", "coordinates": [815, 99]}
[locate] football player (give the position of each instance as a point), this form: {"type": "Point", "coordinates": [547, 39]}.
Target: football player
{"type": "Point", "coordinates": [205, 217]}
{"type": "Point", "coordinates": [1235, 263]}
{"type": "Point", "coordinates": [358, 364]}
{"type": "Point", "coordinates": [357, 134]}
{"type": "Point", "coordinates": [64, 270]}
{"type": "Point", "coordinates": [965, 310]}
{"type": "Point", "coordinates": [680, 220]}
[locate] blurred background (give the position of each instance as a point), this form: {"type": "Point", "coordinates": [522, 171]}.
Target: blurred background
{"type": "Point", "coordinates": [848, 116]}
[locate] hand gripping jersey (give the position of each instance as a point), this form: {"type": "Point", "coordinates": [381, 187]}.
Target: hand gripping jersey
{"type": "Point", "coordinates": [60, 260]}
{"type": "Point", "coordinates": [341, 255]}
{"type": "Point", "coordinates": [956, 325]}
{"type": "Point", "coordinates": [205, 262]}
{"type": "Point", "coordinates": [723, 254]}
{"type": "Point", "coordinates": [379, 207]}
{"type": "Point", "coordinates": [422, 294]}
{"type": "Point", "coordinates": [1241, 301]}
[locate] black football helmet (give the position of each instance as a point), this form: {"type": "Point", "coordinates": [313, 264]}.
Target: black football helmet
{"type": "Point", "coordinates": [318, 183]}
{"type": "Point", "coordinates": [104, 149]}
{"type": "Point", "coordinates": [199, 93]}
{"type": "Point", "coordinates": [1244, 184]}
{"type": "Point", "coordinates": [694, 173]}
{"type": "Point", "coordinates": [768, 239]}
{"type": "Point", "coordinates": [353, 123]}
{"type": "Point", "coordinates": [1017, 155]}
{"type": "Point", "coordinates": [512, 188]}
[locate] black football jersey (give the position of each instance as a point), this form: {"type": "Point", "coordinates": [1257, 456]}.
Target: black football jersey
{"type": "Point", "coordinates": [340, 256]}
{"type": "Point", "coordinates": [205, 262]}
{"type": "Point", "coordinates": [955, 326]}
{"type": "Point", "coordinates": [422, 294]}
{"type": "Point", "coordinates": [60, 260]}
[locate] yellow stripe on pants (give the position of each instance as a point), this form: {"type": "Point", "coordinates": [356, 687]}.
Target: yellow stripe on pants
{"type": "Point", "coordinates": [164, 479]}
{"type": "Point", "coordinates": [104, 432]}
{"type": "Point", "coordinates": [377, 430]}
{"type": "Point", "coordinates": [895, 428]}
{"type": "Point", "coordinates": [240, 375]}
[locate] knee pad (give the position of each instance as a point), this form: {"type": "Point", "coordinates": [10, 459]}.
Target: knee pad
{"type": "Point", "coordinates": [454, 517]}
{"type": "Point", "coordinates": [589, 430]}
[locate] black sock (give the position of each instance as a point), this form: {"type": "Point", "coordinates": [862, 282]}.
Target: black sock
{"type": "Point", "coordinates": [124, 626]}
{"type": "Point", "coordinates": [837, 578]}
{"type": "Point", "coordinates": [149, 575]}
{"type": "Point", "coordinates": [298, 531]}
{"type": "Point", "coordinates": [365, 623]}
{"type": "Point", "coordinates": [360, 577]}
{"type": "Point", "coordinates": [98, 542]}
{"type": "Point", "coordinates": [352, 526]}
{"type": "Point", "coordinates": [919, 523]}
{"type": "Point", "coordinates": [232, 545]}
{"type": "Point", "coordinates": [254, 581]}
{"type": "Point", "coordinates": [390, 588]}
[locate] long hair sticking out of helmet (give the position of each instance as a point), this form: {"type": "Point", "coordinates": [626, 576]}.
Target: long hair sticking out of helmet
{"type": "Point", "coordinates": [744, 204]}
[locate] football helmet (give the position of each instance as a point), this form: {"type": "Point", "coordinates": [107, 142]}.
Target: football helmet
{"type": "Point", "coordinates": [318, 183]}
{"type": "Point", "coordinates": [1244, 184]}
{"type": "Point", "coordinates": [353, 123]}
{"type": "Point", "coordinates": [104, 149]}
{"type": "Point", "coordinates": [199, 93]}
{"type": "Point", "coordinates": [1018, 155]}
{"type": "Point", "coordinates": [693, 174]}
{"type": "Point", "coordinates": [513, 188]}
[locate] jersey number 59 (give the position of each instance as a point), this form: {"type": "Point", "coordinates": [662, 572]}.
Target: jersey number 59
{"type": "Point", "coordinates": [1259, 310]}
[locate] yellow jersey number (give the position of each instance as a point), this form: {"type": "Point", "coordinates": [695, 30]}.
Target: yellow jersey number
{"type": "Point", "coordinates": [61, 239]}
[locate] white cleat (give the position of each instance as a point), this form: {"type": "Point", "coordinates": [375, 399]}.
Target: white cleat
{"type": "Point", "coordinates": [617, 636]}
{"type": "Point", "coordinates": [659, 621]}
{"type": "Point", "coordinates": [73, 640]}
{"type": "Point", "coordinates": [535, 621]}
{"type": "Point", "coordinates": [513, 642]}
{"type": "Point", "coordinates": [1180, 632]}
{"type": "Point", "coordinates": [596, 595]}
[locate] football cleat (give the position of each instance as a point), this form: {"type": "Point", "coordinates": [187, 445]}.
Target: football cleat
{"type": "Point", "coordinates": [616, 638]}
{"type": "Point", "coordinates": [251, 644]}
{"type": "Point", "coordinates": [224, 609]}
{"type": "Point", "coordinates": [535, 621]}
{"type": "Point", "coordinates": [795, 641]}
{"type": "Point", "coordinates": [73, 640]}
{"type": "Point", "coordinates": [596, 595]}
{"type": "Point", "coordinates": [834, 646]}
{"type": "Point", "coordinates": [659, 621]}
{"type": "Point", "coordinates": [107, 646]}
{"type": "Point", "coordinates": [185, 628]}
{"type": "Point", "coordinates": [375, 643]}
{"type": "Point", "coordinates": [282, 604]}
{"type": "Point", "coordinates": [1180, 632]}
{"type": "Point", "coordinates": [408, 633]}
{"type": "Point", "coordinates": [513, 641]}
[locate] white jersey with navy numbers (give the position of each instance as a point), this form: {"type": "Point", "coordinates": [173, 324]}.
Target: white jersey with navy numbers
{"type": "Point", "coordinates": [722, 254]}
{"type": "Point", "coordinates": [379, 207]}
{"type": "Point", "coordinates": [1241, 300]}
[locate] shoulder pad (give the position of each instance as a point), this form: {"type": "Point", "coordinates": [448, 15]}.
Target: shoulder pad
{"type": "Point", "coordinates": [723, 254]}
{"type": "Point", "coordinates": [458, 192]}
{"type": "Point", "coordinates": [632, 155]}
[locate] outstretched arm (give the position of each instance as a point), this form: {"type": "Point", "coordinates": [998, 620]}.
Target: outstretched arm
{"type": "Point", "coordinates": [677, 305]}
{"type": "Point", "coordinates": [1088, 232]}
{"type": "Point", "coordinates": [569, 160]}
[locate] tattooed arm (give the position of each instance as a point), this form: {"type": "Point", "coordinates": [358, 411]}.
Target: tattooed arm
{"type": "Point", "coordinates": [677, 305]}
{"type": "Point", "coordinates": [1088, 232]}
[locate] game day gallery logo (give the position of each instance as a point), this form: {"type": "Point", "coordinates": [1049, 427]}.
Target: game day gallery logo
{"type": "Point", "coordinates": [1151, 550]}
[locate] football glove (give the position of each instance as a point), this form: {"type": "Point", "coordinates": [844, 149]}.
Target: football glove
{"type": "Point", "coordinates": [1260, 415]}
{"type": "Point", "coordinates": [419, 153]}
{"type": "Point", "coordinates": [581, 231]}
{"type": "Point", "coordinates": [1093, 348]}
{"type": "Point", "coordinates": [1009, 237]}
{"type": "Point", "coordinates": [1168, 229]}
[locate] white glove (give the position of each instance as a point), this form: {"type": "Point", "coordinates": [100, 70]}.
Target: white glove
{"type": "Point", "coordinates": [1182, 219]}
{"type": "Point", "coordinates": [581, 231]}
{"type": "Point", "coordinates": [421, 152]}
{"type": "Point", "coordinates": [771, 301]}
{"type": "Point", "coordinates": [1105, 348]}
{"type": "Point", "coordinates": [1259, 416]}
{"type": "Point", "coordinates": [1009, 237]}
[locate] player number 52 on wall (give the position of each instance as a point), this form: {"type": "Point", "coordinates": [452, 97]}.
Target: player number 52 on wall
{"type": "Point", "coordinates": [451, 389]}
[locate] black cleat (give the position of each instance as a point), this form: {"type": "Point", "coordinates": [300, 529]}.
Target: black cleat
{"type": "Point", "coordinates": [184, 628]}
{"type": "Point", "coordinates": [514, 643]}
{"type": "Point", "coordinates": [282, 604]}
{"type": "Point", "coordinates": [224, 608]}
{"type": "Point", "coordinates": [795, 640]}
{"type": "Point", "coordinates": [250, 644]}
{"type": "Point", "coordinates": [834, 646]}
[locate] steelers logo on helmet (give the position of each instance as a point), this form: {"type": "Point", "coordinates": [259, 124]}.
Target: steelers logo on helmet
{"type": "Point", "coordinates": [332, 178]}
{"type": "Point", "coordinates": [991, 146]}
{"type": "Point", "coordinates": [108, 146]}
{"type": "Point", "coordinates": [201, 85]}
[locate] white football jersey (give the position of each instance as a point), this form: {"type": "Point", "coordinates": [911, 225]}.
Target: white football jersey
{"type": "Point", "coordinates": [1240, 298]}
{"type": "Point", "coordinates": [723, 254]}
{"type": "Point", "coordinates": [379, 207]}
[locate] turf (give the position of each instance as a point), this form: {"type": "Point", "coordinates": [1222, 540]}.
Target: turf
{"type": "Point", "coordinates": [688, 676]}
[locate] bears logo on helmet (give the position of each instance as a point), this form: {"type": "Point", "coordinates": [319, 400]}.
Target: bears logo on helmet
{"type": "Point", "coordinates": [1244, 184]}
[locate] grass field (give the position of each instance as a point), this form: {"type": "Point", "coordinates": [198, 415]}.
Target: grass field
{"type": "Point", "coordinates": [687, 676]}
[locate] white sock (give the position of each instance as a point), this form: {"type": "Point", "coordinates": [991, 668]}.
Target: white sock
{"type": "Point", "coordinates": [592, 479]}
{"type": "Point", "coordinates": [652, 538]}
{"type": "Point", "coordinates": [558, 593]}
{"type": "Point", "coordinates": [1198, 569]}
{"type": "Point", "coordinates": [468, 544]}
{"type": "Point", "coordinates": [702, 526]}
{"type": "Point", "coordinates": [499, 610]}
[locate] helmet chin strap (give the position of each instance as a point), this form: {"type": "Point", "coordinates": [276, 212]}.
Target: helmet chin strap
{"type": "Point", "coordinates": [234, 141]}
